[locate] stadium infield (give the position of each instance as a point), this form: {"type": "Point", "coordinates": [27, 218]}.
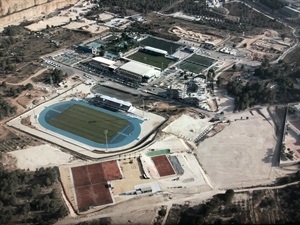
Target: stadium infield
{"type": "Point", "coordinates": [152, 60]}
{"type": "Point", "coordinates": [88, 124]}
{"type": "Point", "coordinates": [163, 165]}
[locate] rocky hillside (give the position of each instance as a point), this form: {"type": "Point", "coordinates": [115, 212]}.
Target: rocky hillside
{"type": "Point", "coordinates": [12, 11]}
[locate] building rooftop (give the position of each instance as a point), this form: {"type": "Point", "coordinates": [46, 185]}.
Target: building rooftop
{"type": "Point", "coordinates": [103, 60]}
{"type": "Point", "coordinates": [141, 69]}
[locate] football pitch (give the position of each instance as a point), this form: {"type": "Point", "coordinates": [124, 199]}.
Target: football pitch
{"type": "Point", "coordinates": [153, 60]}
{"type": "Point", "coordinates": [196, 63]}
{"type": "Point", "coordinates": [89, 123]}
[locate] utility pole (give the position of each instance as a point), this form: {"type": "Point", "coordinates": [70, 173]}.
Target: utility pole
{"type": "Point", "coordinates": [143, 108]}
{"type": "Point", "coordinates": [34, 115]}
{"type": "Point", "coordinates": [105, 133]}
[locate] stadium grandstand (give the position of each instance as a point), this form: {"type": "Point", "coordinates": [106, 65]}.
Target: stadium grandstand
{"type": "Point", "coordinates": [103, 63]}
{"type": "Point", "coordinates": [111, 103]}
{"type": "Point", "coordinates": [138, 72]}
{"type": "Point", "coordinates": [154, 51]}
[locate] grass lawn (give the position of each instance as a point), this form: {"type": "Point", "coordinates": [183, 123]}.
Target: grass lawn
{"type": "Point", "coordinates": [89, 123]}
{"type": "Point", "coordinates": [157, 61]}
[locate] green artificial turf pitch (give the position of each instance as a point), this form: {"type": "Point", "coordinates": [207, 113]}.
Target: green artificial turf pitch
{"type": "Point", "coordinates": [153, 60]}
{"type": "Point", "coordinates": [89, 123]}
{"type": "Point", "coordinates": [196, 63]}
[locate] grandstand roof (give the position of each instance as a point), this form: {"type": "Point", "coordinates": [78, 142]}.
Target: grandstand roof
{"type": "Point", "coordinates": [121, 102]}
{"type": "Point", "coordinates": [104, 61]}
{"type": "Point", "coordinates": [140, 69]}
{"type": "Point", "coordinates": [156, 50]}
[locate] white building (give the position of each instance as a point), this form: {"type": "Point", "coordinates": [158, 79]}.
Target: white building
{"type": "Point", "coordinates": [138, 72]}
{"type": "Point", "coordinates": [213, 3]}
{"type": "Point", "coordinates": [103, 63]}
{"type": "Point", "coordinates": [155, 50]}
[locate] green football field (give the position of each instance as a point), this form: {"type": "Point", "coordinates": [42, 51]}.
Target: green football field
{"type": "Point", "coordinates": [89, 123]}
{"type": "Point", "coordinates": [153, 60]}
{"type": "Point", "coordinates": [196, 63]}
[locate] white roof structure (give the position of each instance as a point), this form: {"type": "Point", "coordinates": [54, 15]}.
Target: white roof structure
{"type": "Point", "coordinates": [119, 101]}
{"type": "Point", "coordinates": [141, 69]}
{"type": "Point", "coordinates": [103, 60]}
{"type": "Point", "coordinates": [156, 50]}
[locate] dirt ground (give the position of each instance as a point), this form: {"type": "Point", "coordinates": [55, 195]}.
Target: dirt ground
{"type": "Point", "coordinates": [195, 36]}
{"type": "Point", "coordinates": [265, 44]}
{"type": "Point", "coordinates": [41, 156]}
{"type": "Point", "coordinates": [242, 154]}
{"type": "Point", "coordinates": [164, 27]}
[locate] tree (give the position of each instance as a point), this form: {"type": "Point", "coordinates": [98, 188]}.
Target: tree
{"type": "Point", "coordinates": [265, 62]}
{"type": "Point", "coordinates": [29, 86]}
{"type": "Point", "coordinates": [101, 53]}
{"type": "Point", "coordinates": [26, 209]}
{"type": "Point", "coordinates": [162, 212]}
{"type": "Point", "coordinates": [3, 84]}
{"type": "Point", "coordinates": [48, 181]}
{"type": "Point", "coordinates": [234, 67]}
{"type": "Point", "coordinates": [35, 190]}
{"type": "Point", "coordinates": [228, 196]}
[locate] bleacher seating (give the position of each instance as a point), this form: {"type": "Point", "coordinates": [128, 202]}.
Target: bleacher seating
{"type": "Point", "coordinates": [111, 103]}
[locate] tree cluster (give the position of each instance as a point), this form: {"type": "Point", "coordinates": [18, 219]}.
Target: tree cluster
{"type": "Point", "coordinates": [13, 30]}
{"type": "Point", "coordinates": [14, 91]}
{"type": "Point", "coordinates": [284, 75]}
{"type": "Point", "coordinates": [273, 4]}
{"type": "Point", "coordinates": [144, 6]}
{"type": "Point", "coordinates": [250, 94]}
{"type": "Point", "coordinates": [6, 109]}
{"type": "Point", "coordinates": [249, 19]}
{"type": "Point", "coordinates": [289, 203]}
{"type": "Point", "coordinates": [28, 197]}
{"type": "Point", "coordinates": [199, 215]}
{"type": "Point", "coordinates": [54, 77]}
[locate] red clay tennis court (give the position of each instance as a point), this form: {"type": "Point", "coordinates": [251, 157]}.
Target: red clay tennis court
{"type": "Point", "coordinates": [90, 182]}
{"type": "Point", "coordinates": [163, 165]}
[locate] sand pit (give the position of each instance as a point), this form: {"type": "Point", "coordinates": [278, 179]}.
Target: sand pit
{"type": "Point", "coordinates": [242, 154]}
{"type": "Point", "coordinates": [41, 156]}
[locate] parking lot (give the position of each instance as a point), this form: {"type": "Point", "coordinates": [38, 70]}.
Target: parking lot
{"type": "Point", "coordinates": [69, 58]}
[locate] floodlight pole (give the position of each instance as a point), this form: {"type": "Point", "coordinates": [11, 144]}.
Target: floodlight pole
{"type": "Point", "coordinates": [34, 116]}
{"type": "Point", "coordinates": [143, 107]}
{"type": "Point", "coordinates": [105, 133]}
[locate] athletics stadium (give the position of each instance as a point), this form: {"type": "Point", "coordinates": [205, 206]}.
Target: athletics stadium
{"type": "Point", "coordinates": [90, 126]}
